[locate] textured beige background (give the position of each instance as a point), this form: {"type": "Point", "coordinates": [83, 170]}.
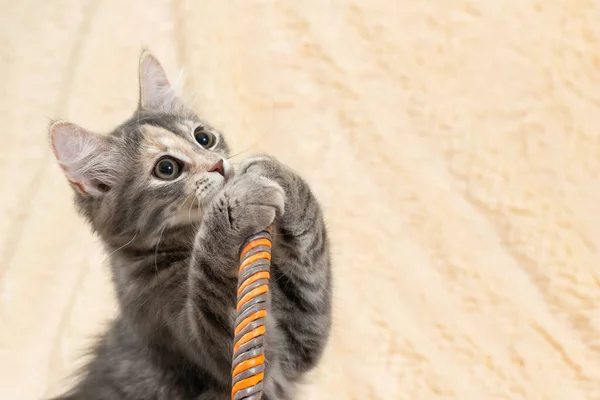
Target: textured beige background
{"type": "Point", "coordinates": [454, 145]}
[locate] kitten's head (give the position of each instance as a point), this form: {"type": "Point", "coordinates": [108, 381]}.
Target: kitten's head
{"type": "Point", "coordinates": [157, 171]}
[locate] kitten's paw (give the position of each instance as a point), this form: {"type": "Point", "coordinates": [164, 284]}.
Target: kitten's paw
{"type": "Point", "coordinates": [253, 203]}
{"type": "Point", "coordinates": [261, 164]}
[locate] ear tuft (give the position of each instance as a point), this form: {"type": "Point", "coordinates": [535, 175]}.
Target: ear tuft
{"type": "Point", "coordinates": [86, 158]}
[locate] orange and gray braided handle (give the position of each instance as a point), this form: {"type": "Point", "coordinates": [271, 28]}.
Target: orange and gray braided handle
{"type": "Point", "coordinates": [248, 369]}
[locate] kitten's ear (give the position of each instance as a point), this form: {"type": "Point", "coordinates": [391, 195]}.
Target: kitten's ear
{"type": "Point", "coordinates": [156, 92]}
{"type": "Point", "coordinates": [86, 158]}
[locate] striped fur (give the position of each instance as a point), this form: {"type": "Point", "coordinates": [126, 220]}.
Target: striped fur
{"type": "Point", "coordinates": [175, 253]}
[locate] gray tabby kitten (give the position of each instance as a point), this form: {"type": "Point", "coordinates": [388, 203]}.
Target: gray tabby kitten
{"type": "Point", "coordinates": [161, 194]}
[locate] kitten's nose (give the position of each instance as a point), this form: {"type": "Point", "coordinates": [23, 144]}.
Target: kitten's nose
{"type": "Point", "coordinates": [218, 167]}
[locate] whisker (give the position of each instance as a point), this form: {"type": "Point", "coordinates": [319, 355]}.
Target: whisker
{"type": "Point", "coordinates": [195, 199]}
{"type": "Point", "coordinates": [262, 137]}
{"type": "Point", "coordinates": [120, 248]}
{"type": "Point", "coordinates": [185, 201]}
{"type": "Point", "coordinates": [241, 152]}
{"type": "Point", "coordinates": [193, 196]}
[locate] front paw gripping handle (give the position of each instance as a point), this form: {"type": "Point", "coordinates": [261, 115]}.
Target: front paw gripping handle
{"type": "Point", "coordinates": [248, 369]}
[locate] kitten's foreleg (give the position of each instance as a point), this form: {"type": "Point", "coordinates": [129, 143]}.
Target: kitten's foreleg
{"type": "Point", "coordinates": [301, 270]}
{"type": "Point", "coordinates": [247, 205]}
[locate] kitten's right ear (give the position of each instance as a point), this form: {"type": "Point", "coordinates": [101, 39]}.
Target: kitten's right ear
{"type": "Point", "coordinates": [156, 92]}
{"type": "Point", "coordinates": [86, 158]}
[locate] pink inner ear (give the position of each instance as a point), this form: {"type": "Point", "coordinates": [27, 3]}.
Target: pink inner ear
{"type": "Point", "coordinates": [66, 141]}
{"type": "Point", "coordinates": [153, 73]}
{"type": "Point", "coordinates": [155, 84]}
{"type": "Point", "coordinates": [155, 88]}
{"type": "Point", "coordinates": [82, 155]}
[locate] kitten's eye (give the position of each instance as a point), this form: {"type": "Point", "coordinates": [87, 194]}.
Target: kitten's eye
{"type": "Point", "coordinates": [204, 138]}
{"type": "Point", "coordinates": [167, 169]}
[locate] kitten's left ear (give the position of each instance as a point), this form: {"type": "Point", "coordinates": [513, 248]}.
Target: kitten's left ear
{"type": "Point", "coordinates": [156, 92]}
{"type": "Point", "coordinates": [87, 158]}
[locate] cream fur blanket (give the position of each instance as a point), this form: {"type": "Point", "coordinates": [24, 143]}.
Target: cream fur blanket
{"type": "Point", "coordinates": [454, 145]}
